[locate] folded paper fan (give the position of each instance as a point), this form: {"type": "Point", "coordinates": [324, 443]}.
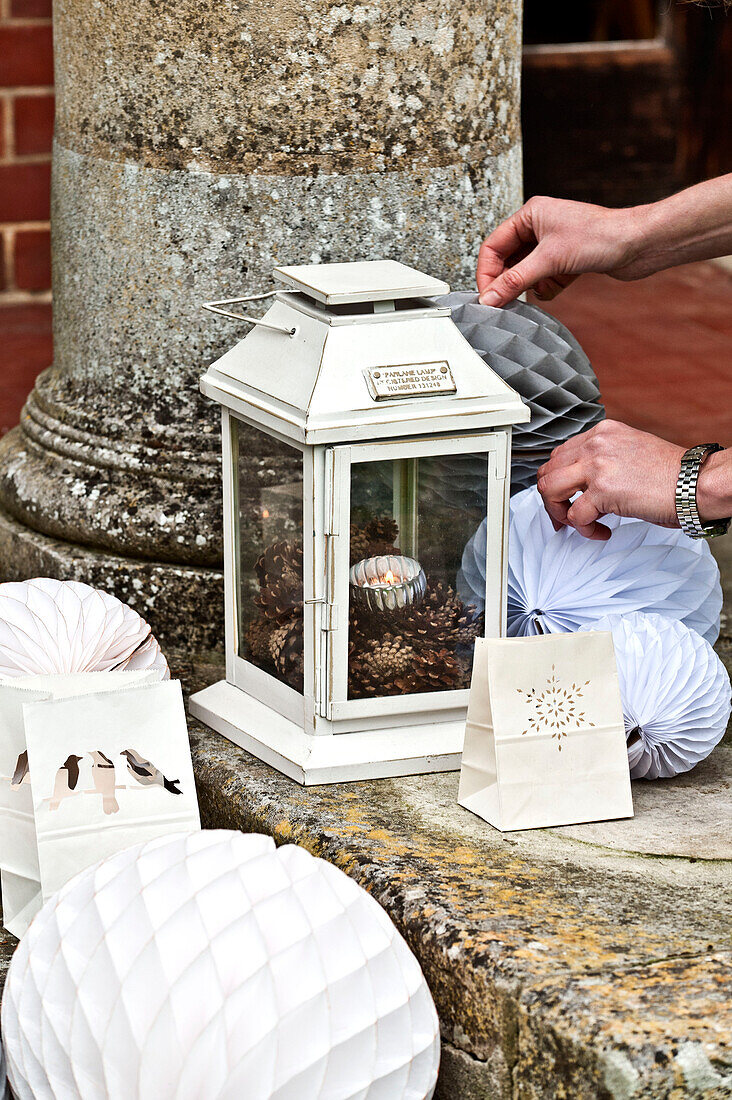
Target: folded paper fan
{"type": "Point", "coordinates": [675, 693]}
{"type": "Point", "coordinates": [50, 626]}
{"type": "Point", "coordinates": [559, 581]}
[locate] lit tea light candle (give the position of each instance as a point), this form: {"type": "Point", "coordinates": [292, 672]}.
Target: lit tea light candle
{"type": "Point", "coordinates": [387, 583]}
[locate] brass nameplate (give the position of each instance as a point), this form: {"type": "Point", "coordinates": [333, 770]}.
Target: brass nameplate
{"type": "Point", "coordinates": [409, 380]}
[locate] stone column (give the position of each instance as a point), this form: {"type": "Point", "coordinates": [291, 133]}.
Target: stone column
{"type": "Point", "coordinates": [198, 144]}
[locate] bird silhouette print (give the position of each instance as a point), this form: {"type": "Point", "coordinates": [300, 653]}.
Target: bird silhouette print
{"type": "Point", "coordinates": [21, 773]}
{"type": "Point", "coordinates": [146, 774]}
{"type": "Point", "coordinates": [103, 774]}
{"type": "Point", "coordinates": [67, 777]}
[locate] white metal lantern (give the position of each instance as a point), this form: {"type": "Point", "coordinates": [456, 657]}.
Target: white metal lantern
{"type": "Point", "coordinates": [364, 441]}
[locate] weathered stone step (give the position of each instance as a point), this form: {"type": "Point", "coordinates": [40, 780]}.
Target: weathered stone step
{"type": "Point", "coordinates": [591, 961]}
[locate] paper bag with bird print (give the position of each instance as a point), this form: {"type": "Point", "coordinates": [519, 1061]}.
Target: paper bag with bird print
{"type": "Point", "coordinates": [19, 872]}
{"type": "Point", "coordinates": [19, 877]}
{"type": "Point", "coordinates": [545, 738]}
{"type": "Point", "coordinates": [109, 770]}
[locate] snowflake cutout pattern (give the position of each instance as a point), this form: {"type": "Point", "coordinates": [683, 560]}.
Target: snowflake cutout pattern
{"type": "Point", "coordinates": [556, 707]}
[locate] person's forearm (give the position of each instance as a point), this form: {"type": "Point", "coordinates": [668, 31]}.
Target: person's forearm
{"type": "Point", "coordinates": [714, 487]}
{"type": "Point", "coordinates": [546, 244]}
{"type": "Point", "coordinates": [695, 224]}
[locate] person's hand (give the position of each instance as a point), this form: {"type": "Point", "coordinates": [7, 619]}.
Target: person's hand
{"type": "Point", "coordinates": [619, 471]}
{"type": "Point", "coordinates": [549, 242]}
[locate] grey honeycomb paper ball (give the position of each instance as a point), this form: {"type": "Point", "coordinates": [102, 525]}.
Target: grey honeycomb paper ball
{"type": "Point", "coordinates": [539, 358]}
{"type": "Point", "coordinates": [524, 468]}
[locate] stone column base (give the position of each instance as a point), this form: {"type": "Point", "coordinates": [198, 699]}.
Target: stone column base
{"type": "Point", "coordinates": [183, 604]}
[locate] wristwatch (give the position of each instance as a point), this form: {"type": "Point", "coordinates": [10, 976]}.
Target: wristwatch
{"type": "Point", "coordinates": [686, 509]}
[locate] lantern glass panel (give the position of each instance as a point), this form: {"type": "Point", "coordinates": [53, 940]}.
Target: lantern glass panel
{"type": "Point", "coordinates": [409, 631]}
{"type": "Point", "coordinates": [270, 534]}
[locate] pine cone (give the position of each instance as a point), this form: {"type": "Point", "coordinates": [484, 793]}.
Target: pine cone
{"type": "Point", "coordinates": [286, 650]}
{"type": "Point", "coordinates": [382, 529]}
{"type": "Point", "coordinates": [374, 668]}
{"type": "Point", "coordinates": [283, 559]}
{"type": "Point", "coordinates": [391, 667]}
{"type": "Point", "coordinates": [469, 626]}
{"type": "Point", "coordinates": [359, 544]}
{"type": "Point", "coordinates": [433, 670]}
{"type": "Point", "coordinates": [279, 571]}
{"type": "Point", "coordinates": [280, 602]}
{"type": "Point", "coordinates": [258, 638]}
{"type": "Point", "coordinates": [377, 537]}
{"type": "Point", "coordinates": [465, 664]}
{"type": "Point", "coordinates": [362, 626]}
{"type": "Point", "coordinates": [440, 621]}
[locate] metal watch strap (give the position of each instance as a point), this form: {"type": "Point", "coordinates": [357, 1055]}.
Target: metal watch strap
{"type": "Point", "coordinates": [686, 509]}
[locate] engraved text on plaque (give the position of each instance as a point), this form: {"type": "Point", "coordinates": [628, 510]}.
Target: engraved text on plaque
{"type": "Point", "coordinates": [409, 380]}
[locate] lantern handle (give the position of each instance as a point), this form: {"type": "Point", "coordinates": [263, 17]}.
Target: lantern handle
{"type": "Point", "coordinates": [216, 307]}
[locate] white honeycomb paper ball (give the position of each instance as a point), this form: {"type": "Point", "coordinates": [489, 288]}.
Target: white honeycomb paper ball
{"type": "Point", "coordinates": [214, 966]}
{"type": "Point", "coordinates": [675, 692]}
{"type": "Point", "coordinates": [50, 626]}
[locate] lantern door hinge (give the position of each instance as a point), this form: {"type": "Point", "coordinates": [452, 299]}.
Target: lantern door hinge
{"type": "Point", "coordinates": [329, 616]}
{"type": "Point", "coordinates": [329, 621]}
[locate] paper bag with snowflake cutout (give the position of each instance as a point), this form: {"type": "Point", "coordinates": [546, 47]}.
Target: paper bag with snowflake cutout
{"type": "Point", "coordinates": [545, 738]}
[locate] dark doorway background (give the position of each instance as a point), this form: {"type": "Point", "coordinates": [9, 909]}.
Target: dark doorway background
{"type": "Point", "coordinates": [625, 101]}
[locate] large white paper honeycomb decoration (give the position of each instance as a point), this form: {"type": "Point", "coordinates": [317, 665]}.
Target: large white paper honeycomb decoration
{"type": "Point", "coordinates": [214, 966]}
{"type": "Point", "coordinates": [49, 626]}
{"type": "Point", "coordinates": [675, 692]}
{"type": "Point", "coordinates": [539, 358]}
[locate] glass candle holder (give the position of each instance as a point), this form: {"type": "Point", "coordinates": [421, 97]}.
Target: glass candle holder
{"type": "Point", "coordinates": [387, 583]}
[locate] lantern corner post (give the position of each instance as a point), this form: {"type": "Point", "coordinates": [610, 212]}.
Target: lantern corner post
{"type": "Point", "coordinates": [231, 547]}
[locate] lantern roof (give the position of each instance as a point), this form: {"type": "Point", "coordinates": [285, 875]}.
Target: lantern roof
{"type": "Point", "coordinates": [359, 351]}
{"type": "Point", "coordinates": [367, 281]}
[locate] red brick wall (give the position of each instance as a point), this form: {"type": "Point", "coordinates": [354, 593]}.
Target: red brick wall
{"type": "Point", "coordinates": [26, 126]}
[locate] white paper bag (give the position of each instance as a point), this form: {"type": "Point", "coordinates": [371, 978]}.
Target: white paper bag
{"type": "Point", "coordinates": [21, 901]}
{"type": "Point", "coordinates": [545, 738]}
{"type": "Point", "coordinates": [18, 852]}
{"type": "Point", "coordinates": [108, 770]}
{"type": "Point", "coordinates": [19, 871]}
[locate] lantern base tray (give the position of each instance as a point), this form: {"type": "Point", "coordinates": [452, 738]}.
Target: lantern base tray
{"type": "Point", "coordinates": [327, 758]}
